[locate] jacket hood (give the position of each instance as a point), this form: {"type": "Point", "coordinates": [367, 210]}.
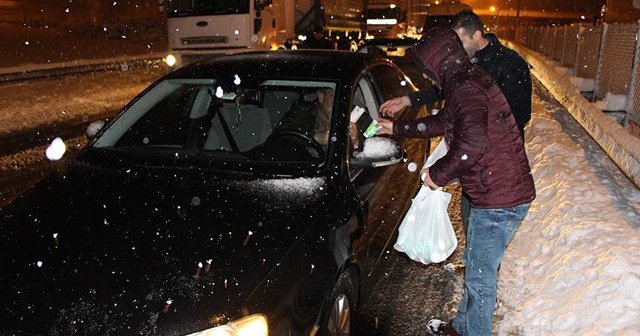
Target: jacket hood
{"type": "Point", "coordinates": [440, 55]}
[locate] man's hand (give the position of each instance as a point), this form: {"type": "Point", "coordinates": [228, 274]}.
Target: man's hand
{"type": "Point", "coordinates": [427, 179]}
{"type": "Point", "coordinates": [395, 105]}
{"type": "Point", "coordinates": [386, 126]}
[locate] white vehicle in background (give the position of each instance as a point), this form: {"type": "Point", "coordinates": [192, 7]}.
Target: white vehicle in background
{"type": "Point", "coordinates": [385, 20]}
{"type": "Point", "coordinates": [199, 28]}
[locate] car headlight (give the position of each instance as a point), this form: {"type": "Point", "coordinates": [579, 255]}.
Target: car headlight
{"type": "Point", "coordinates": [252, 325]}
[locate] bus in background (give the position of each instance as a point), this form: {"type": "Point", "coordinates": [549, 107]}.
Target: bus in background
{"type": "Point", "coordinates": [384, 20]}
{"type": "Point", "coordinates": [199, 28]}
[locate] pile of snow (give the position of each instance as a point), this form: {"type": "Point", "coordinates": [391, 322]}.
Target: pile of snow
{"type": "Point", "coordinates": [620, 145]}
{"type": "Point", "coordinates": [564, 71]}
{"type": "Point", "coordinates": [378, 147]}
{"type": "Point", "coordinates": [612, 102]}
{"type": "Point", "coordinates": [583, 84]}
{"type": "Point", "coordinates": [573, 267]}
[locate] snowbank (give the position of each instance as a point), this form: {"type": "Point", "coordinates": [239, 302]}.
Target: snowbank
{"type": "Point", "coordinates": [620, 145]}
{"type": "Point", "coordinates": [573, 267]}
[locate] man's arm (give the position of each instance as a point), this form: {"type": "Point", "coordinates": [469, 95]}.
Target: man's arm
{"type": "Point", "coordinates": [392, 106]}
{"type": "Point", "coordinates": [425, 127]}
{"type": "Point", "coordinates": [514, 80]}
{"type": "Point", "coordinates": [425, 97]}
{"type": "Point", "coordinates": [470, 138]}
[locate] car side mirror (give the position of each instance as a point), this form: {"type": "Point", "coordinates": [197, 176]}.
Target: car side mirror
{"type": "Point", "coordinates": [378, 152]}
{"type": "Point", "coordinates": [93, 129]}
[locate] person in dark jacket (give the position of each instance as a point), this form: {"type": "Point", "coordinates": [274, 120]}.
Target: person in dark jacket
{"type": "Point", "coordinates": [486, 153]}
{"type": "Point", "coordinates": [504, 65]}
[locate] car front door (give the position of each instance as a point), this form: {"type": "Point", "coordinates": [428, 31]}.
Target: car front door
{"type": "Point", "coordinates": [386, 192]}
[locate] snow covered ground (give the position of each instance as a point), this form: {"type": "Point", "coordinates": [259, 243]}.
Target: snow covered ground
{"type": "Point", "coordinates": [573, 267]}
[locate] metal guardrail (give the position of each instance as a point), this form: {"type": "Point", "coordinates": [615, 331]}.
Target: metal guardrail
{"type": "Point", "coordinates": [77, 67]}
{"type": "Point", "coordinates": [607, 54]}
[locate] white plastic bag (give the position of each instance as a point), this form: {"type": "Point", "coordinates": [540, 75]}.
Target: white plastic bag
{"type": "Point", "coordinates": [440, 151]}
{"type": "Point", "coordinates": [426, 234]}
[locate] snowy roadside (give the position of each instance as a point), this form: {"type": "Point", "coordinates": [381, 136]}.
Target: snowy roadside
{"type": "Point", "coordinates": [620, 145]}
{"type": "Point", "coordinates": [573, 267]}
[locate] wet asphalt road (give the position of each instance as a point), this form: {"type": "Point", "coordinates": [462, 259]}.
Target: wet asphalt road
{"type": "Point", "coordinates": [409, 294]}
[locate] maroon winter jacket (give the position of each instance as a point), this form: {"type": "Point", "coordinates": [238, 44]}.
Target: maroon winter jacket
{"type": "Point", "coordinates": [486, 151]}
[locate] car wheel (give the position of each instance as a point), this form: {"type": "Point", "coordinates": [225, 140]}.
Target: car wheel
{"type": "Point", "coordinates": [340, 307]}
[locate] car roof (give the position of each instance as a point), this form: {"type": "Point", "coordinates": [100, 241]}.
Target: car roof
{"type": "Point", "coordinates": [325, 64]}
{"type": "Point", "coordinates": [407, 41]}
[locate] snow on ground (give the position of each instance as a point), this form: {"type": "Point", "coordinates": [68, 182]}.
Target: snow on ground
{"type": "Point", "coordinates": [24, 47]}
{"type": "Point", "coordinates": [612, 102]}
{"type": "Point", "coordinates": [573, 267]}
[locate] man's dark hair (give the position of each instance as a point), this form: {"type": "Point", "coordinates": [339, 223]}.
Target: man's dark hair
{"type": "Point", "coordinates": [469, 21]}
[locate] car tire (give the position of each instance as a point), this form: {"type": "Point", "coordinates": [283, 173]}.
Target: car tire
{"type": "Point", "coordinates": [340, 308]}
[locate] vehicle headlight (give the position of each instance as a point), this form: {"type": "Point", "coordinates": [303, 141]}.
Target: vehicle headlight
{"type": "Point", "coordinates": [252, 325]}
{"type": "Point", "coordinates": [170, 60]}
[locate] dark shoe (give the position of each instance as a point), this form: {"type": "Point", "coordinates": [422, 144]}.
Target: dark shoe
{"type": "Point", "coordinates": [440, 328]}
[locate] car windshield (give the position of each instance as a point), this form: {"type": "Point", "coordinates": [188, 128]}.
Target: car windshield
{"type": "Point", "coordinates": [261, 120]}
{"type": "Point", "coordinates": [209, 7]}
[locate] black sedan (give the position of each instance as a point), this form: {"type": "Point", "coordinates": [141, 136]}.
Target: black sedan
{"type": "Point", "coordinates": [232, 197]}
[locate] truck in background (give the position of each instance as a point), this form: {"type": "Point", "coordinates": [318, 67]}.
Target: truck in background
{"type": "Point", "coordinates": [385, 20]}
{"type": "Point", "coordinates": [197, 29]}
{"type": "Point", "coordinates": [436, 13]}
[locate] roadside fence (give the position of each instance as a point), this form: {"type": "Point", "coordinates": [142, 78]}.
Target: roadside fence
{"type": "Point", "coordinates": [603, 58]}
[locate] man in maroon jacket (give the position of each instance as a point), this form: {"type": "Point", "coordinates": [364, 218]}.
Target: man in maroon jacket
{"type": "Point", "coordinates": [487, 154]}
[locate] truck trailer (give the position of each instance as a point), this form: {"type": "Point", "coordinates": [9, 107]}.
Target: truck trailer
{"type": "Point", "coordinates": [197, 29]}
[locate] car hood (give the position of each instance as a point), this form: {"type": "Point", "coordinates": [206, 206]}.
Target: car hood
{"type": "Point", "coordinates": [93, 251]}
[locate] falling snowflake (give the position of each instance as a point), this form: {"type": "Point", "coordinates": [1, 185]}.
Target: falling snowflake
{"type": "Point", "coordinates": [56, 150]}
{"type": "Point", "coordinates": [219, 92]}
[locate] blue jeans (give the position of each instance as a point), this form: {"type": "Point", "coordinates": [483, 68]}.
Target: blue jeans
{"type": "Point", "coordinates": [488, 234]}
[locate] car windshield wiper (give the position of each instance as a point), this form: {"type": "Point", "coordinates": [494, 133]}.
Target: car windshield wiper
{"type": "Point", "coordinates": [104, 156]}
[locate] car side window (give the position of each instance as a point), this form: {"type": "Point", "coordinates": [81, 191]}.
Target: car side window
{"type": "Point", "coordinates": [365, 98]}
{"type": "Point", "coordinates": [388, 82]}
